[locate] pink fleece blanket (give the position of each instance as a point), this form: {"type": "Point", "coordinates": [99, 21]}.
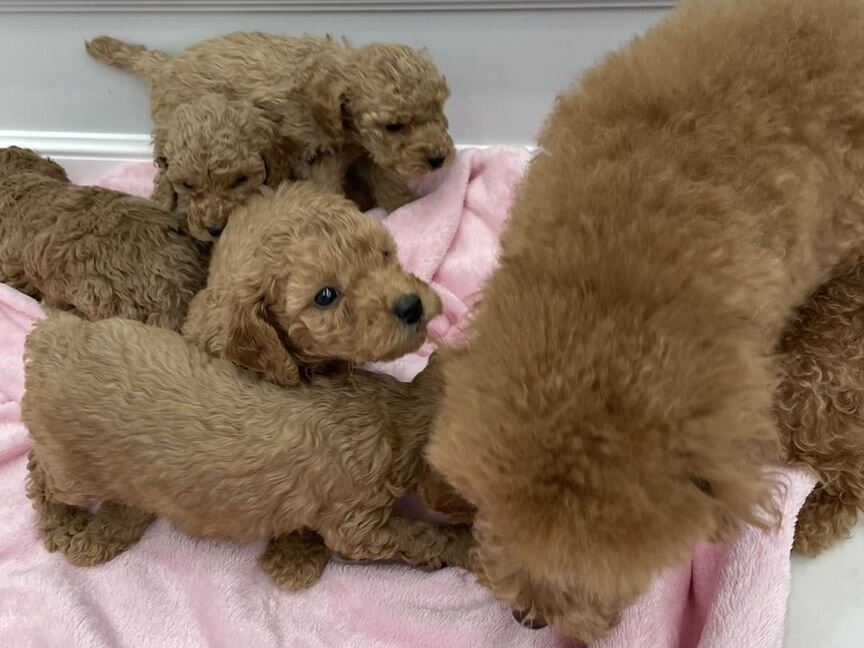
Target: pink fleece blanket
{"type": "Point", "coordinates": [172, 590]}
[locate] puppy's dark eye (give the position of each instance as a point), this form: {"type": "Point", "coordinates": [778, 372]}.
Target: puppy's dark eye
{"type": "Point", "coordinates": [326, 297]}
{"type": "Point", "coordinates": [239, 182]}
{"type": "Point", "coordinates": [187, 186]}
{"type": "Point", "coordinates": [394, 128]}
{"type": "Point", "coordinates": [386, 255]}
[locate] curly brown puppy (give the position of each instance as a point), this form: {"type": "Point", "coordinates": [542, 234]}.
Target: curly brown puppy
{"type": "Point", "coordinates": [820, 407]}
{"type": "Point", "coordinates": [104, 405]}
{"type": "Point", "coordinates": [101, 253]}
{"type": "Point", "coordinates": [325, 96]}
{"type": "Point", "coordinates": [615, 405]}
{"type": "Point", "coordinates": [301, 278]}
{"type": "Point", "coordinates": [213, 154]}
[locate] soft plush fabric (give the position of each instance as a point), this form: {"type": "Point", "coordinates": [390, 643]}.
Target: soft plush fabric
{"type": "Point", "coordinates": [173, 590]}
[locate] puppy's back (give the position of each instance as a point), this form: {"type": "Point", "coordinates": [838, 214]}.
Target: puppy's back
{"type": "Point", "coordinates": [122, 411]}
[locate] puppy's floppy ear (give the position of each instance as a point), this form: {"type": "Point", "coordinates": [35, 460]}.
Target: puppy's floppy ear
{"type": "Point", "coordinates": [253, 341]}
{"type": "Point", "coordinates": [328, 95]}
{"type": "Point", "coordinates": [263, 127]}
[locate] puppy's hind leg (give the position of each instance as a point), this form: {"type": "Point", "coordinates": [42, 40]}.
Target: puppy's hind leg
{"type": "Point", "coordinates": [84, 538]}
{"type": "Point", "coordinates": [295, 561]}
{"type": "Point", "coordinates": [424, 544]}
{"type": "Point", "coordinates": [825, 519]}
{"type": "Point", "coordinates": [58, 523]}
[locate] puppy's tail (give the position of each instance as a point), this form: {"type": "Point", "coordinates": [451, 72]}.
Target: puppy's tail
{"type": "Point", "coordinates": [135, 59]}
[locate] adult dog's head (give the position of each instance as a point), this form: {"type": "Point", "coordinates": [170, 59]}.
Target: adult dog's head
{"type": "Point", "coordinates": [597, 453]}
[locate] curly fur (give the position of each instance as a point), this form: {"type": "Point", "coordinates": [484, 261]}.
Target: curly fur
{"type": "Point", "coordinates": [820, 408]}
{"type": "Point", "coordinates": [615, 405]}
{"type": "Point", "coordinates": [98, 252]}
{"type": "Point", "coordinates": [324, 96]}
{"type": "Point", "coordinates": [275, 255]}
{"type": "Point", "coordinates": [329, 458]}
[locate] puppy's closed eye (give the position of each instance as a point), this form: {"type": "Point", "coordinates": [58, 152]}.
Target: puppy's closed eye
{"type": "Point", "coordinates": [239, 182]}
{"type": "Point", "coordinates": [703, 485]}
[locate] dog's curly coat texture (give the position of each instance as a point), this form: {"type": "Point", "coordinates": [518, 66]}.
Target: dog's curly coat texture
{"type": "Point", "coordinates": [98, 252]}
{"type": "Point", "coordinates": [122, 413]}
{"type": "Point", "coordinates": [324, 96]}
{"type": "Point", "coordinates": [275, 257]}
{"type": "Point", "coordinates": [213, 154]}
{"type": "Point", "coordinates": [820, 407]}
{"type": "Point", "coordinates": [615, 405]}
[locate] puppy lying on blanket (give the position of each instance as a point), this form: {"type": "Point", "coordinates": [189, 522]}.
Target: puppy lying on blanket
{"type": "Point", "coordinates": [615, 405]}
{"type": "Point", "coordinates": [98, 252]}
{"type": "Point", "coordinates": [386, 100]}
{"type": "Point", "coordinates": [123, 414]}
{"type": "Point", "coordinates": [300, 279]}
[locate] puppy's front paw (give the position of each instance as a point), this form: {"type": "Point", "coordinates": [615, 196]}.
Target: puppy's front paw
{"type": "Point", "coordinates": [295, 561]}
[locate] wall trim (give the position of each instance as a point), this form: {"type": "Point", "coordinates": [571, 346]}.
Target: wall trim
{"type": "Point", "coordinates": [317, 6]}
{"type": "Point", "coordinates": [73, 145]}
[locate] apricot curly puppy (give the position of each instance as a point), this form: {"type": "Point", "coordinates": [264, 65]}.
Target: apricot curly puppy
{"type": "Point", "coordinates": [325, 96]}
{"type": "Point", "coordinates": [101, 253]}
{"type": "Point", "coordinates": [615, 405]}
{"type": "Point", "coordinates": [213, 154]}
{"type": "Point", "coordinates": [821, 408]}
{"type": "Point", "coordinates": [300, 279]}
{"type": "Point", "coordinates": [104, 404]}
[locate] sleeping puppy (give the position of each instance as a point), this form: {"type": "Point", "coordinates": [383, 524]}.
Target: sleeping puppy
{"type": "Point", "coordinates": [614, 408]}
{"type": "Point", "coordinates": [213, 154]}
{"type": "Point", "coordinates": [300, 279]}
{"type": "Point", "coordinates": [97, 252]}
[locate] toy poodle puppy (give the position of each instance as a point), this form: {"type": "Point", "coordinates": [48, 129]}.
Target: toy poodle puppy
{"type": "Point", "coordinates": [820, 407]}
{"type": "Point", "coordinates": [330, 457]}
{"type": "Point", "coordinates": [324, 96]}
{"type": "Point", "coordinates": [97, 252]}
{"type": "Point", "coordinates": [213, 154]}
{"type": "Point", "coordinates": [615, 405]}
{"type": "Point", "coordinates": [300, 279]}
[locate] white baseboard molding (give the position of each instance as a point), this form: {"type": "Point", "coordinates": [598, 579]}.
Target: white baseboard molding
{"type": "Point", "coordinates": [85, 156]}
{"type": "Point", "coordinates": [89, 156]}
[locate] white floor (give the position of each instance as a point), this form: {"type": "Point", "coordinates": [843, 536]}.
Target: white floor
{"type": "Point", "coordinates": [826, 605]}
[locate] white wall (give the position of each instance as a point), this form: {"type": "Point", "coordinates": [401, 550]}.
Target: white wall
{"type": "Point", "coordinates": [504, 60]}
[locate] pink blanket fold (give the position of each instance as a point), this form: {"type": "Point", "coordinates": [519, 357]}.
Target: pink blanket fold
{"type": "Point", "coordinates": [172, 590]}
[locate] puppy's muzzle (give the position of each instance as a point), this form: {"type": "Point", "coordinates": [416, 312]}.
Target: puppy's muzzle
{"type": "Point", "coordinates": [408, 309]}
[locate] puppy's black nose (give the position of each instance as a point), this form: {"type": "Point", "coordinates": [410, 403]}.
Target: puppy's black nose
{"type": "Point", "coordinates": [408, 308]}
{"type": "Point", "coordinates": [533, 622]}
{"type": "Point", "coordinates": [437, 162]}
{"type": "Point", "coordinates": [215, 232]}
